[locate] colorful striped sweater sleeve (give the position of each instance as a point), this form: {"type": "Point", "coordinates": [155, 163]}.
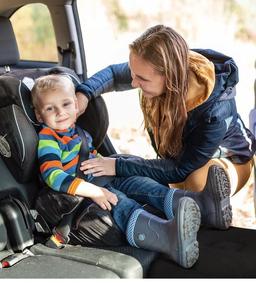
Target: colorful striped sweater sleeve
{"type": "Point", "coordinates": [58, 155]}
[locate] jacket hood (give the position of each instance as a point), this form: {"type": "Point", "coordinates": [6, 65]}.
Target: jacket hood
{"type": "Point", "coordinates": [201, 80]}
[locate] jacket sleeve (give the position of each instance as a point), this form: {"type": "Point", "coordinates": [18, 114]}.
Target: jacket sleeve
{"type": "Point", "coordinates": [51, 169]}
{"type": "Point", "coordinates": [115, 77]}
{"type": "Point", "coordinates": [202, 145]}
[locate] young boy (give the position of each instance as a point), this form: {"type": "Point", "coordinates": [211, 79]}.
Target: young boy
{"type": "Point", "coordinates": [56, 109]}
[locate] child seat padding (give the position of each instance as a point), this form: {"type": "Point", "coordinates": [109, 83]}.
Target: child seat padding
{"type": "Point", "coordinates": [18, 143]}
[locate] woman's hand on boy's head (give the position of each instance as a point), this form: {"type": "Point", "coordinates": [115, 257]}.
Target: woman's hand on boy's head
{"type": "Point", "coordinates": [82, 102]}
{"type": "Point", "coordinates": [101, 166]}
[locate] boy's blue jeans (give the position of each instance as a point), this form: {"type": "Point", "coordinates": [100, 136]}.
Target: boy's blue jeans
{"type": "Point", "coordinates": [132, 190]}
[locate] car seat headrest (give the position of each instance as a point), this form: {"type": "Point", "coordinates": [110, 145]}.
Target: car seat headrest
{"type": "Point", "coordinates": [9, 54]}
{"type": "Point", "coordinates": [18, 138]}
{"type": "Point", "coordinates": [95, 119]}
{"type": "Point", "coordinates": [35, 73]}
{"type": "Point", "coordinates": [15, 88]}
{"type": "Point", "coordinates": [14, 91]}
{"type": "Point", "coordinates": [18, 125]}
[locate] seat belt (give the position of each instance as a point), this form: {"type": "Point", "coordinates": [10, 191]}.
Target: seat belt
{"type": "Point", "coordinates": [84, 155]}
{"type": "Point", "coordinates": [68, 55]}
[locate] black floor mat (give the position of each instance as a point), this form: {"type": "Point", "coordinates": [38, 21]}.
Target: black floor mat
{"type": "Point", "coordinates": [223, 254]}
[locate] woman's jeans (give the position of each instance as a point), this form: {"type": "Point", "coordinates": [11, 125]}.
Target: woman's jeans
{"type": "Point", "coordinates": [132, 192]}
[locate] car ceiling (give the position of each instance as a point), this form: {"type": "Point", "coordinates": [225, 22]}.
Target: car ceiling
{"type": "Point", "coordinates": [8, 7]}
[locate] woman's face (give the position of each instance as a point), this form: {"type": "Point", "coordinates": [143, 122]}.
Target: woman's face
{"type": "Point", "coordinates": [145, 77]}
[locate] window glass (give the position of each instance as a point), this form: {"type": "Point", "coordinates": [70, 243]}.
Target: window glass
{"type": "Point", "coordinates": [34, 33]}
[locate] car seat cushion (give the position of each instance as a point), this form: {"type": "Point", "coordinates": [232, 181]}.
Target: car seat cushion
{"type": "Point", "coordinates": [9, 91]}
{"type": "Point", "coordinates": [95, 120]}
{"type": "Point", "coordinates": [18, 143]}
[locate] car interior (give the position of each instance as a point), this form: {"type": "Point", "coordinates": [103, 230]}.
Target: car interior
{"type": "Point", "coordinates": [23, 253]}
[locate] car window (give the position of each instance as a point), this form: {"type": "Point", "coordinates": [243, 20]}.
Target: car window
{"type": "Point", "coordinates": [35, 36]}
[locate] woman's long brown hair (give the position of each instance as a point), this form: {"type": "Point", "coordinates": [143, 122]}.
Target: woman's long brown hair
{"type": "Point", "coordinates": [166, 114]}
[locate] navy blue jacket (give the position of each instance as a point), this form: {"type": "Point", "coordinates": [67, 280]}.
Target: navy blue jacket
{"type": "Point", "coordinates": [214, 129]}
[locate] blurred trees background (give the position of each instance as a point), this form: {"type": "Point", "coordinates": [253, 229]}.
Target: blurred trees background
{"type": "Point", "coordinates": [187, 16]}
{"type": "Point", "coordinates": [33, 28]}
{"type": "Point", "coordinates": [241, 14]}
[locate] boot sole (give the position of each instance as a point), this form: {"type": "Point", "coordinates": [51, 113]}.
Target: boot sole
{"type": "Point", "coordinates": [220, 191]}
{"type": "Point", "coordinates": [188, 221]}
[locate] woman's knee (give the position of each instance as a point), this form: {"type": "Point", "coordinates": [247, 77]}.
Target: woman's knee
{"type": "Point", "coordinates": [238, 175]}
{"type": "Point", "coordinates": [196, 180]}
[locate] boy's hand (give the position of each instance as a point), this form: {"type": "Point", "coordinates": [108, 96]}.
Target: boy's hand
{"type": "Point", "coordinates": [82, 101]}
{"type": "Point", "coordinates": [105, 198]}
{"type": "Point", "coordinates": [101, 196]}
{"type": "Point", "coordinates": [100, 166]}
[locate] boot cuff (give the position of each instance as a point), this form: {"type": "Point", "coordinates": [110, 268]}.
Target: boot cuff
{"type": "Point", "coordinates": [168, 204]}
{"type": "Point", "coordinates": [131, 226]}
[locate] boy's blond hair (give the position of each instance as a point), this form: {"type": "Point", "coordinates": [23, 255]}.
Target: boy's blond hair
{"type": "Point", "coordinates": [51, 83]}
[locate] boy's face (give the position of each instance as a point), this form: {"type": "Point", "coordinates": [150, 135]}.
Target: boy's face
{"type": "Point", "coordinates": [57, 109]}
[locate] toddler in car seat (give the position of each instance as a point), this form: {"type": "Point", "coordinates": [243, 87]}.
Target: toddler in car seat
{"type": "Point", "coordinates": [59, 147]}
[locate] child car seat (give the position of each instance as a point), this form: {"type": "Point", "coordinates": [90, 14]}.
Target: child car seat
{"type": "Point", "coordinates": [18, 143]}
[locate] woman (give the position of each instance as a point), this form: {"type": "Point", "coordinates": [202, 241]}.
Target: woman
{"type": "Point", "coordinates": [187, 98]}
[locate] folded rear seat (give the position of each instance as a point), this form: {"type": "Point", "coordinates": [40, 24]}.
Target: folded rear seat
{"type": "Point", "coordinates": [34, 266]}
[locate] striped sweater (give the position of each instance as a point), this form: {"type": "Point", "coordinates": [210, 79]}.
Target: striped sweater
{"type": "Point", "coordinates": [58, 155]}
